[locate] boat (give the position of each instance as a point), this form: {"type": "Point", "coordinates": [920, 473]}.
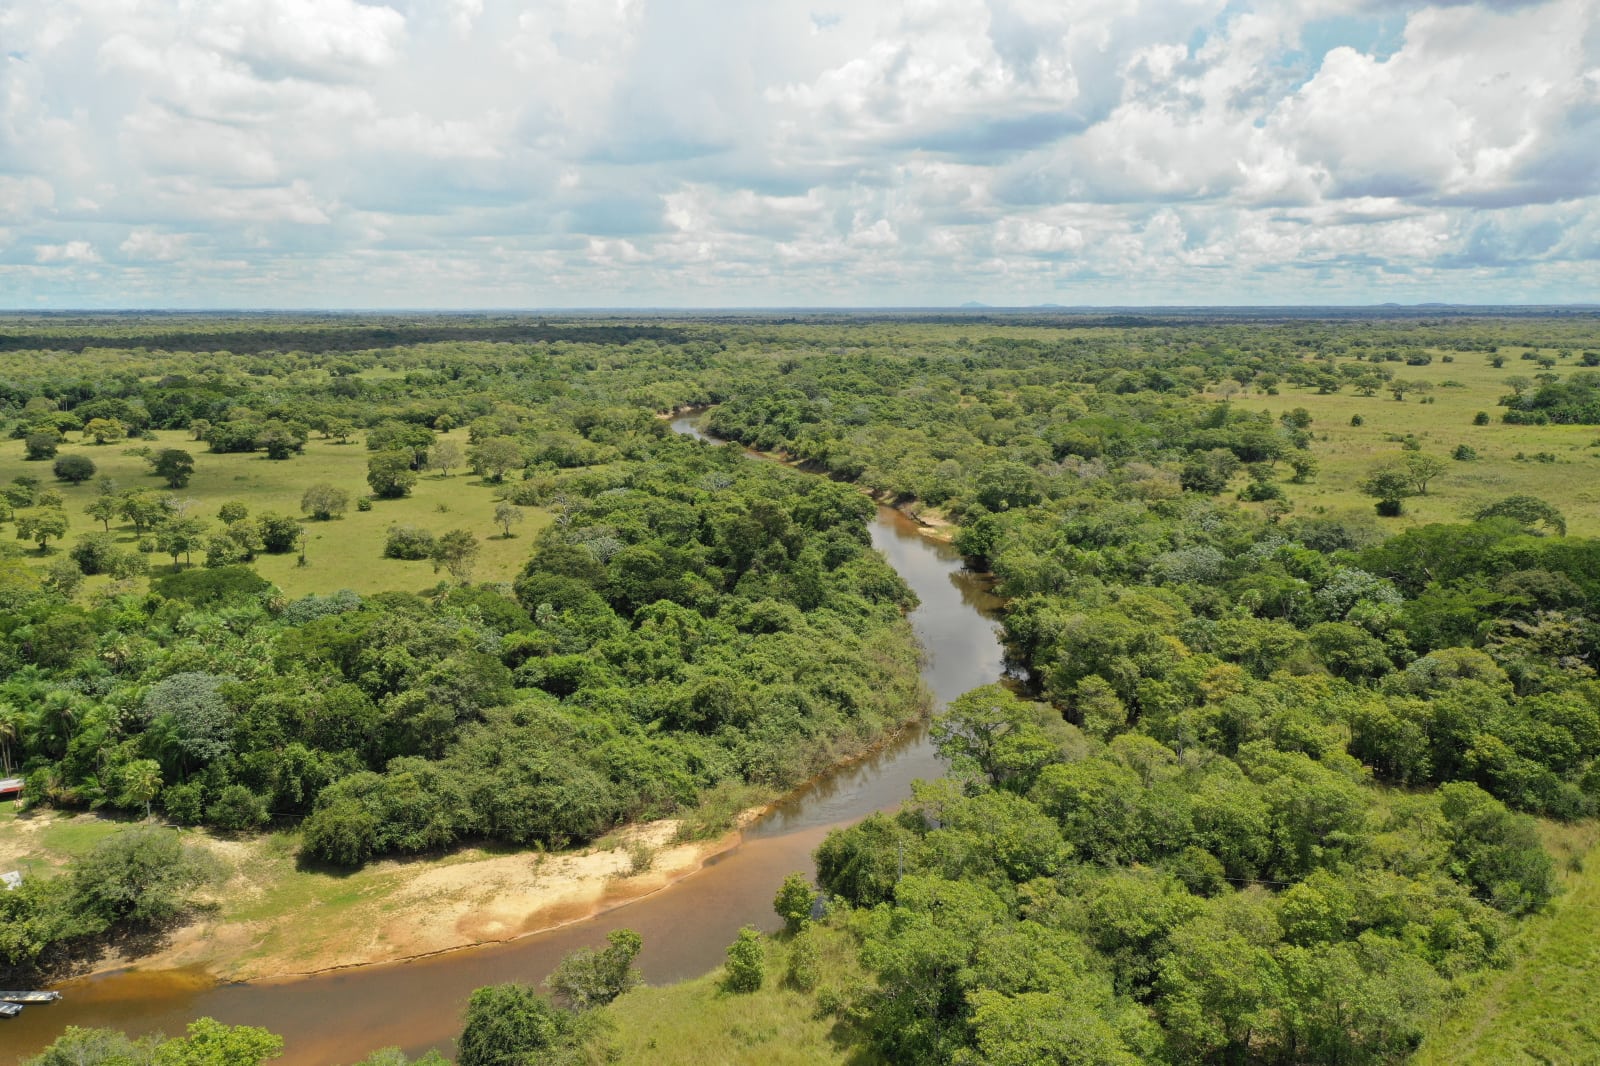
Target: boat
{"type": "Point", "coordinates": [29, 997]}
{"type": "Point", "coordinates": [9, 1010]}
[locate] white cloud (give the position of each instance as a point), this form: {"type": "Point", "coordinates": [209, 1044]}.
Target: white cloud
{"type": "Point", "coordinates": [70, 252]}
{"type": "Point", "coordinates": [332, 152]}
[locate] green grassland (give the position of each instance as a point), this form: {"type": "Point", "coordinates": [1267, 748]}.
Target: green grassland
{"type": "Point", "coordinates": [345, 553]}
{"type": "Point", "coordinates": [696, 1022]}
{"type": "Point", "coordinates": [1541, 1008]}
{"type": "Point", "coordinates": [1461, 389]}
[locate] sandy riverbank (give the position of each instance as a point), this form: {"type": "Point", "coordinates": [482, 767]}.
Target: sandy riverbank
{"type": "Point", "coordinates": [270, 918]}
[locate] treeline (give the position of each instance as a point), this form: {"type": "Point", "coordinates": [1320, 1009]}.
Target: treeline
{"type": "Point", "coordinates": [332, 335]}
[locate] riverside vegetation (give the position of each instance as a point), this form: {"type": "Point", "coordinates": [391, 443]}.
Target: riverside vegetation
{"type": "Point", "coordinates": [1271, 796]}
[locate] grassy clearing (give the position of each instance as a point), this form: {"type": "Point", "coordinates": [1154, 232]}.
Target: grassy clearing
{"type": "Point", "coordinates": [40, 842]}
{"type": "Point", "coordinates": [696, 1022]}
{"type": "Point", "coordinates": [1541, 1009]}
{"type": "Point", "coordinates": [346, 553]}
{"type": "Point", "coordinates": [1346, 453]}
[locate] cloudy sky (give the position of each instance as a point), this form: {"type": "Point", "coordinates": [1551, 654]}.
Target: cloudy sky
{"type": "Point", "coordinates": [730, 153]}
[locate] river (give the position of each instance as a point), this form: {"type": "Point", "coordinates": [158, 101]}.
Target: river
{"type": "Point", "coordinates": [340, 1017]}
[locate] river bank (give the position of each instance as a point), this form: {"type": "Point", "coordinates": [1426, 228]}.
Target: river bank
{"type": "Point", "coordinates": [270, 918]}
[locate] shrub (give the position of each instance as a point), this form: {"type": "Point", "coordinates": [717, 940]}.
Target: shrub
{"type": "Point", "coordinates": [74, 468]}
{"type": "Point", "coordinates": [746, 967]}
{"type": "Point", "coordinates": [409, 542]}
{"type": "Point", "coordinates": [237, 808]}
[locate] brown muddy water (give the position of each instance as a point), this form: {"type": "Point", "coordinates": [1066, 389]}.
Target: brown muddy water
{"type": "Point", "coordinates": [339, 1017]}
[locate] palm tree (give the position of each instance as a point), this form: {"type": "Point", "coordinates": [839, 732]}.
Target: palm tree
{"type": "Point", "coordinates": [141, 781]}
{"type": "Point", "coordinates": [10, 733]}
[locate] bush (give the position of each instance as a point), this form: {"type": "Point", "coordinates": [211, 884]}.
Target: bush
{"type": "Point", "coordinates": [237, 808]}
{"type": "Point", "coordinates": [509, 1025]}
{"type": "Point", "coordinates": [586, 979]}
{"type": "Point", "coordinates": [409, 542]}
{"type": "Point", "coordinates": [1481, 418]}
{"type": "Point", "coordinates": [1357, 420]}
{"type": "Point", "coordinates": [793, 902]}
{"type": "Point", "coordinates": [364, 503]}
{"type": "Point", "coordinates": [140, 875]}
{"type": "Point", "coordinates": [804, 966]}
{"type": "Point", "coordinates": [1465, 453]}
{"type": "Point", "coordinates": [747, 958]}
{"type": "Point", "coordinates": [74, 468]}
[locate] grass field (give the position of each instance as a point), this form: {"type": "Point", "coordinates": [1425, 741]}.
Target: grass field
{"type": "Point", "coordinates": [1346, 453]}
{"type": "Point", "coordinates": [1541, 1009]}
{"type": "Point", "coordinates": [695, 1022]}
{"type": "Point", "coordinates": [346, 553]}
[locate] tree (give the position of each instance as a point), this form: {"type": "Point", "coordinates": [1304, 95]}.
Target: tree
{"type": "Point", "coordinates": [1527, 510]}
{"type": "Point", "coordinates": [491, 459]}
{"type": "Point", "coordinates": [180, 536]}
{"type": "Point", "coordinates": [510, 1025]}
{"type": "Point", "coordinates": [586, 978]}
{"type": "Point", "coordinates": [1421, 469]}
{"type": "Point", "coordinates": [390, 474]}
{"type": "Point", "coordinates": [210, 1043]}
{"type": "Point", "coordinates": [189, 708]}
{"type": "Point", "coordinates": [1390, 486]}
{"type": "Point", "coordinates": [456, 551]}
{"type": "Point", "coordinates": [74, 468]}
{"type": "Point", "coordinates": [233, 511]}
{"type": "Point", "coordinates": [175, 465]}
{"type": "Point", "coordinates": [747, 962]}
{"type": "Point", "coordinates": [793, 902]}
{"type": "Point", "coordinates": [324, 502]}
{"type": "Point", "coordinates": [41, 525]}
{"type": "Point", "coordinates": [104, 430]}
{"type": "Point", "coordinates": [506, 515]}
{"type": "Point", "coordinates": [444, 456]}
{"type": "Point", "coordinates": [144, 510]}
{"type": "Point", "coordinates": [141, 783]}
{"type": "Point", "coordinates": [41, 444]}
{"type": "Point", "coordinates": [103, 509]}
{"type": "Point", "coordinates": [340, 429]}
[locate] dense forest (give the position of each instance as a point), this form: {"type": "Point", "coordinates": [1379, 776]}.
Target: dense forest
{"type": "Point", "coordinates": [1266, 794]}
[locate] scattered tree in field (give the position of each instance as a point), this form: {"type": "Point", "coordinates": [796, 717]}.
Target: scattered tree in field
{"type": "Point", "coordinates": [143, 510]}
{"type": "Point", "coordinates": [104, 430]}
{"type": "Point", "coordinates": [747, 962]}
{"type": "Point", "coordinates": [1422, 469]}
{"type": "Point", "coordinates": [494, 457]}
{"type": "Point", "coordinates": [1304, 467]}
{"type": "Point", "coordinates": [233, 511]}
{"type": "Point", "coordinates": [324, 502]}
{"type": "Point", "coordinates": [1390, 486]}
{"type": "Point", "coordinates": [180, 535]}
{"type": "Point", "coordinates": [41, 525]}
{"type": "Point", "coordinates": [390, 474]}
{"type": "Point", "coordinates": [506, 515]}
{"type": "Point", "coordinates": [455, 551]}
{"type": "Point", "coordinates": [444, 457]}
{"type": "Point", "coordinates": [175, 465]}
{"type": "Point", "coordinates": [199, 428]}
{"type": "Point", "coordinates": [586, 979]}
{"type": "Point", "coordinates": [340, 429]}
{"type": "Point", "coordinates": [41, 444]}
{"type": "Point", "coordinates": [1528, 510]}
{"type": "Point", "coordinates": [74, 468]}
